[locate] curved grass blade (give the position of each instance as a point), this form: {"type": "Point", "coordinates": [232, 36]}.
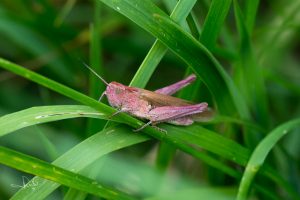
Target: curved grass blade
{"type": "Point", "coordinates": [151, 18]}
{"type": "Point", "coordinates": [260, 153]}
{"type": "Point", "coordinates": [43, 169]}
{"type": "Point", "coordinates": [43, 114]}
{"type": "Point", "coordinates": [206, 139]}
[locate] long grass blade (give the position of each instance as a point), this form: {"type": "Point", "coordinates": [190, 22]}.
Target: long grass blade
{"type": "Point", "coordinates": [54, 173]}
{"type": "Point", "coordinates": [260, 154]}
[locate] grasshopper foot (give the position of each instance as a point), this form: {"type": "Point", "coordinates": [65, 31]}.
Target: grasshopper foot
{"type": "Point", "coordinates": [160, 129]}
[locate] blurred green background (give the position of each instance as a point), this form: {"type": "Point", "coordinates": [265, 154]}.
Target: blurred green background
{"type": "Point", "coordinates": [54, 38]}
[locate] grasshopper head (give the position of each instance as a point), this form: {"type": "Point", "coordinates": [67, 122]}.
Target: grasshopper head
{"type": "Point", "coordinates": [115, 93]}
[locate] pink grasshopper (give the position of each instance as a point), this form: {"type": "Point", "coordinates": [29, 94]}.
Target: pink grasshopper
{"type": "Point", "coordinates": [157, 106]}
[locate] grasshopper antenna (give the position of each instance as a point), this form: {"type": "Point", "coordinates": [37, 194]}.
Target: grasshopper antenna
{"type": "Point", "coordinates": [95, 73]}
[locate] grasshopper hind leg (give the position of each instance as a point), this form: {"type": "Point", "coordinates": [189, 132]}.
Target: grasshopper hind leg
{"type": "Point", "coordinates": [142, 127]}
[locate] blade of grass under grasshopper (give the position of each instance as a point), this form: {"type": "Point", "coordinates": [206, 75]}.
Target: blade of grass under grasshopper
{"type": "Point", "coordinates": [57, 174]}
{"type": "Point", "coordinates": [158, 50]}
{"type": "Point", "coordinates": [259, 155]}
{"type": "Point", "coordinates": [105, 142]}
{"type": "Point", "coordinates": [180, 137]}
{"type": "Point", "coordinates": [44, 114]}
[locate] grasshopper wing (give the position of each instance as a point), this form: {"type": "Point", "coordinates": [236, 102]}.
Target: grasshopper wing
{"type": "Point", "coordinates": [158, 100]}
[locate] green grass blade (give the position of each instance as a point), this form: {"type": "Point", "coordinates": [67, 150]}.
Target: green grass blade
{"type": "Point", "coordinates": [158, 50]}
{"type": "Point", "coordinates": [87, 152]}
{"type": "Point", "coordinates": [207, 139]}
{"type": "Point", "coordinates": [57, 174]}
{"type": "Point", "coordinates": [260, 153]}
{"type": "Point", "coordinates": [213, 22]}
{"type": "Point", "coordinates": [152, 19]}
{"type": "Point", "coordinates": [43, 114]}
